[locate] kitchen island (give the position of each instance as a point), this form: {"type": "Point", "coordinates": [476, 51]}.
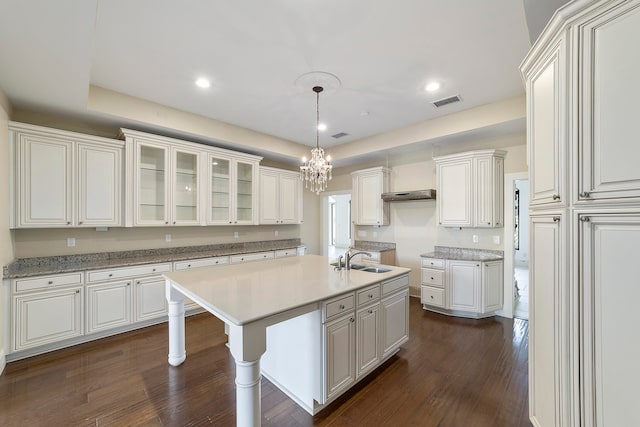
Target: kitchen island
{"type": "Point", "coordinates": [320, 329]}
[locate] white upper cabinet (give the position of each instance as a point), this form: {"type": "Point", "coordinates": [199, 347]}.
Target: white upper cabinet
{"type": "Point", "coordinates": [471, 189]}
{"type": "Point", "coordinates": [368, 208]}
{"type": "Point", "coordinates": [609, 91]}
{"type": "Point", "coordinates": [64, 179]}
{"type": "Point", "coordinates": [280, 196]}
{"type": "Point", "coordinates": [233, 189]}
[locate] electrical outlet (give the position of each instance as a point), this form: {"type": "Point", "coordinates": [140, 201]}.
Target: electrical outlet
{"type": "Point", "coordinates": [362, 233]}
{"type": "Point", "coordinates": [375, 234]}
{"type": "Point", "coordinates": [71, 241]}
{"type": "Point", "coordinates": [276, 233]}
{"type": "Point", "coordinates": [476, 239]}
{"type": "Point", "coordinates": [235, 234]}
{"type": "Point", "coordinates": [496, 240]}
{"type": "Point", "coordinates": [167, 237]}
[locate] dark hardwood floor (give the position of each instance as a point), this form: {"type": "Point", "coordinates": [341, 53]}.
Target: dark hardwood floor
{"type": "Point", "coordinates": [452, 372]}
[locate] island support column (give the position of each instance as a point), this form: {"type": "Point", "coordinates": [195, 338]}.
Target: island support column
{"type": "Point", "coordinates": [175, 300]}
{"type": "Point", "coordinates": [248, 343]}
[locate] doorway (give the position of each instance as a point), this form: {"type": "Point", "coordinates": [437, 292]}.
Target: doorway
{"type": "Point", "coordinates": [521, 249]}
{"type": "Point", "coordinates": [336, 233]}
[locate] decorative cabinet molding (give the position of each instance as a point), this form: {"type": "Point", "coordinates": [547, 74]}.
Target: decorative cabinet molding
{"type": "Point", "coordinates": [64, 179]}
{"type": "Point", "coordinates": [367, 206]}
{"type": "Point", "coordinates": [585, 199]}
{"type": "Point", "coordinates": [280, 196]}
{"type": "Point", "coordinates": [471, 189]}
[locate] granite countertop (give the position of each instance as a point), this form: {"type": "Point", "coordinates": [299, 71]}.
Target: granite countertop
{"type": "Point", "coordinates": [26, 267]}
{"type": "Point", "coordinates": [464, 254]}
{"type": "Point", "coordinates": [365, 245]}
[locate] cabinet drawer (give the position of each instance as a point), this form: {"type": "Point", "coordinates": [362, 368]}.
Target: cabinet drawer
{"type": "Point", "coordinates": [44, 282]}
{"type": "Point", "coordinates": [368, 295]}
{"type": "Point", "coordinates": [257, 256]}
{"type": "Point", "coordinates": [127, 272]}
{"type": "Point", "coordinates": [202, 262]}
{"type": "Point", "coordinates": [339, 306]}
{"type": "Point", "coordinates": [433, 277]}
{"type": "Point", "coordinates": [433, 263]}
{"type": "Point", "coordinates": [286, 252]}
{"type": "Point", "coordinates": [432, 296]}
{"type": "Point", "coordinates": [395, 284]}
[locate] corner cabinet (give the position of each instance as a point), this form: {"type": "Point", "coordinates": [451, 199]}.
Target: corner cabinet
{"type": "Point", "coordinates": [471, 189]}
{"type": "Point", "coordinates": [584, 212]}
{"type": "Point", "coordinates": [367, 205]}
{"type": "Point", "coordinates": [280, 196]}
{"type": "Point", "coordinates": [64, 179]}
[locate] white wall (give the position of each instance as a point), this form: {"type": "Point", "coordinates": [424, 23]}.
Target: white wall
{"type": "Point", "coordinates": [6, 237]}
{"type": "Point", "coordinates": [343, 220]}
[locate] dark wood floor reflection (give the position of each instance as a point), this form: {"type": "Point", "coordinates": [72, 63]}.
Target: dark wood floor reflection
{"type": "Point", "coordinates": [452, 372]}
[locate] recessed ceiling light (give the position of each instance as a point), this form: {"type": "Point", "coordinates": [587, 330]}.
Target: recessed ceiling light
{"type": "Point", "coordinates": [432, 86]}
{"type": "Point", "coordinates": [322, 127]}
{"type": "Point", "coordinates": [203, 83]}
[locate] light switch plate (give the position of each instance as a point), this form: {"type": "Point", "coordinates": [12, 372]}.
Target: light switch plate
{"type": "Point", "coordinates": [496, 240]}
{"type": "Point", "coordinates": [362, 233]}
{"type": "Point", "coordinates": [167, 237]}
{"type": "Point", "coordinates": [71, 241]}
{"type": "Point", "coordinates": [235, 234]}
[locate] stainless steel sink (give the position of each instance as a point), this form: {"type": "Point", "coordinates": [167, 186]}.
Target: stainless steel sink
{"type": "Point", "coordinates": [376, 269]}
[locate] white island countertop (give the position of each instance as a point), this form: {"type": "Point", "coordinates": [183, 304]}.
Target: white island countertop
{"type": "Point", "coordinates": [247, 292]}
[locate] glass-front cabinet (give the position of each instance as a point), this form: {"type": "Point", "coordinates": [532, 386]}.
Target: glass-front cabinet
{"type": "Point", "coordinates": [186, 194]}
{"type": "Point", "coordinates": [151, 206]}
{"type": "Point", "coordinates": [232, 195]}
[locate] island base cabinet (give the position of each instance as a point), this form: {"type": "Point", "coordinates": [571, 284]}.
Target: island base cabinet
{"type": "Point", "coordinates": [340, 344]}
{"type": "Point", "coordinates": [108, 306]}
{"type": "Point", "coordinates": [151, 302]}
{"type": "Point", "coordinates": [46, 317]}
{"type": "Point", "coordinates": [394, 319]}
{"type": "Point", "coordinates": [368, 348]}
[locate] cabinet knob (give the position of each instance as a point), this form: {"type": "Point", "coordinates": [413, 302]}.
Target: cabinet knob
{"type": "Point", "coordinates": [585, 219]}
{"type": "Point", "coordinates": [138, 282]}
{"type": "Point", "coordinates": [174, 222]}
{"type": "Point", "coordinates": [153, 269]}
{"type": "Point", "coordinates": [489, 223]}
{"type": "Point", "coordinates": [556, 197]}
{"type": "Point", "coordinates": [129, 283]}
{"type": "Point", "coordinates": [584, 194]}
{"type": "Point", "coordinates": [352, 320]}
{"type": "Point", "coordinates": [68, 222]}
{"type": "Point", "coordinates": [556, 219]}
{"type": "Point", "coordinates": [77, 291]}
{"type": "Point", "coordinates": [50, 282]}
{"type": "Point", "coordinates": [432, 278]}
{"type": "Point", "coordinates": [370, 311]}
{"type": "Point", "coordinates": [341, 306]}
{"type": "Point", "coordinates": [189, 265]}
{"type": "Point", "coordinates": [431, 296]}
{"type": "Point", "coordinates": [79, 222]}
{"type": "Point", "coordinates": [110, 274]}
{"type": "Point", "coordinates": [370, 295]}
{"type": "Point", "coordinates": [477, 265]}
{"type": "Point", "coordinates": [217, 262]}
{"type": "Point", "coordinates": [230, 222]}
{"type": "Point", "coordinates": [235, 222]}
{"type": "Point", "coordinates": [166, 222]}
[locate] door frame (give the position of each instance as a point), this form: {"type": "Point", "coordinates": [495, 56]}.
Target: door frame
{"type": "Point", "coordinates": [324, 228]}
{"type": "Point", "coordinates": [509, 250]}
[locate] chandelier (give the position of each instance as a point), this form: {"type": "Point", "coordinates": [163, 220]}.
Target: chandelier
{"type": "Point", "coordinates": [316, 171]}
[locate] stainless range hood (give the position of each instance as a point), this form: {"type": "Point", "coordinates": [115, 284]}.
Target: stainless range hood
{"type": "Point", "coordinates": [399, 196]}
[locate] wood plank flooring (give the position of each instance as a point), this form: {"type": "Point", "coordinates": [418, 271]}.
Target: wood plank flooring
{"type": "Point", "coordinates": [452, 372]}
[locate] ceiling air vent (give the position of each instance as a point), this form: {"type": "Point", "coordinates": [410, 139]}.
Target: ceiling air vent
{"type": "Point", "coordinates": [339, 135]}
{"type": "Point", "coordinates": [441, 102]}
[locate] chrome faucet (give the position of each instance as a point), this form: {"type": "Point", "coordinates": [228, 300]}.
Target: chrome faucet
{"type": "Point", "coordinates": [348, 255]}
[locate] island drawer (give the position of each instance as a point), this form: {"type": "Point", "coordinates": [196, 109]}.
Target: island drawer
{"type": "Point", "coordinates": [44, 282]}
{"type": "Point", "coordinates": [336, 307]}
{"type": "Point", "coordinates": [127, 272]}
{"type": "Point", "coordinates": [257, 256]}
{"type": "Point", "coordinates": [283, 253]}
{"type": "Point", "coordinates": [395, 284]}
{"type": "Point", "coordinates": [202, 262]}
{"type": "Point", "coordinates": [368, 295]}
{"type": "Point", "coordinates": [432, 296]}
{"type": "Point", "coordinates": [433, 277]}
{"type": "Point", "coordinates": [433, 263]}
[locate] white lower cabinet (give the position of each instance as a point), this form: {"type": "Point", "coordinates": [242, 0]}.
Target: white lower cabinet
{"type": "Point", "coordinates": [45, 317]}
{"type": "Point", "coordinates": [464, 285]}
{"type": "Point", "coordinates": [340, 350]}
{"type": "Point", "coordinates": [368, 333]}
{"type": "Point", "coordinates": [151, 301]}
{"type": "Point", "coordinates": [394, 320]}
{"type": "Point", "coordinates": [108, 306]}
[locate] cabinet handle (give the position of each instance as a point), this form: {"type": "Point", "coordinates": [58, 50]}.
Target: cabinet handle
{"type": "Point", "coordinates": [584, 194]}
{"type": "Point", "coordinates": [556, 197]}
{"type": "Point", "coordinates": [341, 306]}
{"type": "Point", "coordinates": [50, 282]}
{"type": "Point", "coordinates": [556, 219]}
{"type": "Point", "coordinates": [585, 219]}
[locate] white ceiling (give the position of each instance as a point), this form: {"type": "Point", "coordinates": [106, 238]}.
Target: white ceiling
{"type": "Point", "coordinates": [383, 52]}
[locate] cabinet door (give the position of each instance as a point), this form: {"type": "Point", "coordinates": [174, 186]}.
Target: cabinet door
{"type": "Point", "coordinates": [220, 188]}
{"type": "Point", "coordinates": [395, 321]}
{"type": "Point", "coordinates": [47, 317]}
{"type": "Point", "coordinates": [489, 186]}
{"type": "Point", "coordinates": [492, 286]}
{"type": "Point", "coordinates": [610, 88]}
{"type": "Point", "coordinates": [367, 333]}
{"type": "Point", "coordinates": [455, 202]}
{"type": "Point", "coordinates": [340, 357]}
{"type": "Point", "coordinates": [45, 182]}
{"type": "Point", "coordinates": [290, 198]}
{"type": "Point", "coordinates": [544, 320]}
{"type": "Point", "coordinates": [245, 197]}
{"type": "Point", "coordinates": [185, 195]}
{"type": "Point", "coordinates": [269, 197]}
{"type": "Point", "coordinates": [99, 186]}
{"type": "Point", "coordinates": [463, 280]}
{"type": "Point", "coordinates": [151, 301]}
{"type": "Point", "coordinates": [546, 129]}
{"type": "Point", "coordinates": [152, 184]}
{"type": "Point", "coordinates": [369, 201]}
{"type": "Point", "coordinates": [108, 306]}
{"type": "Point", "coordinates": [610, 294]}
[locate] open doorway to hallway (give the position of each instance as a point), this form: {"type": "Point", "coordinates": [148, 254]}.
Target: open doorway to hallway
{"type": "Point", "coordinates": [521, 249]}
{"type": "Point", "coordinates": [337, 225]}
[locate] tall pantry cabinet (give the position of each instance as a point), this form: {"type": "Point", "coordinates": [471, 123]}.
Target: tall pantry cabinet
{"type": "Point", "coordinates": [582, 90]}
